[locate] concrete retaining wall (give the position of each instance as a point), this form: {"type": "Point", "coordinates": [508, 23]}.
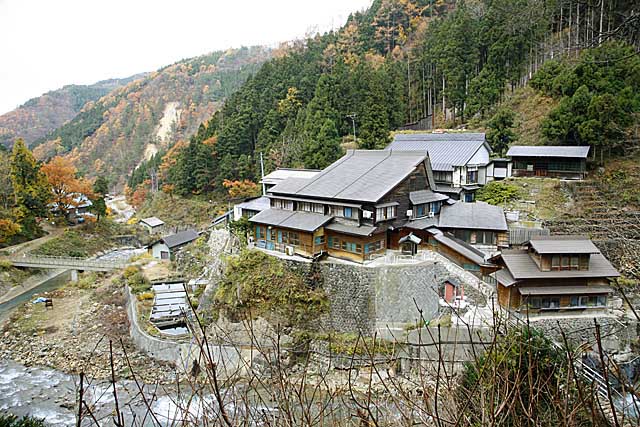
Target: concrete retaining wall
{"type": "Point", "coordinates": [160, 349]}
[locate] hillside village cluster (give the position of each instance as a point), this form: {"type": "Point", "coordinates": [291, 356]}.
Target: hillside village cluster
{"type": "Point", "coordinates": [418, 195]}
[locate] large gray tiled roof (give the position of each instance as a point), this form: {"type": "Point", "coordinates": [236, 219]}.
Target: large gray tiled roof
{"type": "Point", "coordinates": [547, 151]}
{"type": "Point", "coordinates": [280, 174]}
{"type": "Point", "coordinates": [475, 216]}
{"type": "Point", "coordinates": [446, 150]}
{"type": "Point", "coordinates": [361, 175]}
{"type": "Point", "coordinates": [180, 238]}
{"type": "Point", "coordinates": [563, 245]}
{"type": "Point", "coordinates": [521, 266]}
{"type": "Point", "coordinates": [425, 196]}
{"type": "Point", "coordinates": [296, 220]}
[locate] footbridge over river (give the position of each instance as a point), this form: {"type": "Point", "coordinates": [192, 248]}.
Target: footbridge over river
{"type": "Point", "coordinates": [68, 263]}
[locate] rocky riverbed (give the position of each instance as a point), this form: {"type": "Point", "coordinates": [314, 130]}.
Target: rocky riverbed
{"type": "Point", "coordinates": [74, 335]}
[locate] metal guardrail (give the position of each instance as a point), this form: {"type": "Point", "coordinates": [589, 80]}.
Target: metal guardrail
{"type": "Point", "coordinates": [71, 262]}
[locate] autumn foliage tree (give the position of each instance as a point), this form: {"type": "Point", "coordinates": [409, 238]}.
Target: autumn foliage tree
{"type": "Point", "coordinates": [66, 187]}
{"type": "Point", "coordinates": [241, 189]}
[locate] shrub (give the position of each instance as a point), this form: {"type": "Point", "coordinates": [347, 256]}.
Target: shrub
{"type": "Point", "coordinates": [8, 420]}
{"type": "Point", "coordinates": [256, 284]}
{"type": "Point", "coordinates": [144, 296]}
{"type": "Point", "coordinates": [5, 265]}
{"type": "Point", "coordinates": [498, 193]}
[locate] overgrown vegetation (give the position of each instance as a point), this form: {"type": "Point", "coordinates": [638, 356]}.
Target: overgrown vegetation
{"type": "Point", "coordinates": [8, 420]}
{"type": "Point", "coordinates": [180, 211]}
{"type": "Point", "coordinates": [82, 241]}
{"type": "Point", "coordinates": [256, 284]}
{"type": "Point", "coordinates": [136, 280]}
{"type": "Point", "coordinates": [523, 380]}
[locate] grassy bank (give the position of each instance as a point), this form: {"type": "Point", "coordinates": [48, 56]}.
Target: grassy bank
{"type": "Point", "coordinates": [83, 241]}
{"type": "Point", "coordinates": [178, 211]}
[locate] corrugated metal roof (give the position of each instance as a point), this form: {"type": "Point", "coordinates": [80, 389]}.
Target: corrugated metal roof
{"type": "Point", "coordinates": [361, 175]}
{"type": "Point", "coordinates": [564, 290]}
{"type": "Point", "coordinates": [476, 216]}
{"type": "Point", "coordinates": [152, 221]}
{"type": "Point", "coordinates": [180, 238]}
{"type": "Point", "coordinates": [446, 150]}
{"type": "Point", "coordinates": [563, 245]}
{"type": "Point", "coordinates": [281, 174]}
{"type": "Point", "coordinates": [296, 220]}
{"type": "Point", "coordinates": [363, 230]}
{"type": "Point", "coordinates": [521, 266]}
{"type": "Point", "coordinates": [425, 196]}
{"type": "Point", "coordinates": [548, 151]}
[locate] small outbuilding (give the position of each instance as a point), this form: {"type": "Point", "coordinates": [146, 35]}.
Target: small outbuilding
{"type": "Point", "coordinates": [152, 224]}
{"type": "Point", "coordinates": [569, 162]}
{"type": "Point", "coordinates": [166, 247]}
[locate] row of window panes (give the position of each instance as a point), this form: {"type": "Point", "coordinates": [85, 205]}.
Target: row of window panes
{"type": "Point", "coordinates": [282, 204]}
{"type": "Point", "coordinates": [319, 240]}
{"type": "Point", "coordinates": [552, 166]}
{"type": "Point", "coordinates": [481, 237]}
{"type": "Point", "coordinates": [373, 246]}
{"type": "Point", "coordinates": [472, 177]}
{"type": "Point", "coordinates": [389, 212]}
{"type": "Point", "coordinates": [344, 211]}
{"type": "Point", "coordinates": [565, 262]}
{"type": "Point", "coordinates": [311, 207]}
{"type": "Point", "coordinates": [343, 245]}
{"type": "Point", "coordinates": [439, 176]}
{"type": "Point", "coordinates": [424, 209]}
{"type": "Point", "coordinates": [576, 301]}
{"type": "Point", "coordinates": [288, 237]}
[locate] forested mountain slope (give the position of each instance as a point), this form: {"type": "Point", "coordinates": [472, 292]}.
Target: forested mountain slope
{"type": "Point", "coordinates": [403, 60]}
{"type": "Point", "coordinates": [41, 115]}
{"type": "Point", "coordinates": [111, 136]}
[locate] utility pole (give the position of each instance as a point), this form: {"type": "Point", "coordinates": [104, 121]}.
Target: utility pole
{"type": "Point", "coordinates": [264, 190]}
{"type": "Point", "coordinates": [353, 116]}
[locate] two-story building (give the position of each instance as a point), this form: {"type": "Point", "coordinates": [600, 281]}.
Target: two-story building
{"type": "Point", "coordinates": [460, 160]}
{"type": "Point", "coordinates": [554, 274]}
{"type": "Point", "coordinates": [347, 209]}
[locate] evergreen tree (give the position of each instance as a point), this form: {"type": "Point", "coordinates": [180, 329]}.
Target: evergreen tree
{"type": "Point", "coordinates": [324, 148]}
{"type": "Point", "coordinates": [100, 189]}
{"type": "Point", "coordinates": [500, 134]}
{"type": "Point", "coordinates": [31, 189]}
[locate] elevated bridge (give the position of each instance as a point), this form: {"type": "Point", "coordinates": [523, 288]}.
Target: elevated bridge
{"type": "Point", "coordinates": [68, 263]}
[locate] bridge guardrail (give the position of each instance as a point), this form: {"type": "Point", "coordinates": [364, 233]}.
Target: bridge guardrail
{"type": "Point", "coordinates": [67, 262]}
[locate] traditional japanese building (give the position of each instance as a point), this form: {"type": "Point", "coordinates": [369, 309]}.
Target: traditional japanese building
{"type": "Point", "coordinates": [554, 273]}
{"type": "Point", "coordinates": [552, 161]}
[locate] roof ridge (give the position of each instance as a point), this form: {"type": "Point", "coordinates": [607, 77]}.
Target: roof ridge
{"type": "Point", "coordinates": [365, 172]}
{"type": "Point", "coordinates": [349, 154]}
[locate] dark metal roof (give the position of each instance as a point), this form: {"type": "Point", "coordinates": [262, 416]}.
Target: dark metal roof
{"type": "Point", "coordinates": [446, 150]}
{"type": "Point", "coordinates": [181, 238]}
{"type": "Point", "coordinates": [563, 245]}
{"type": "Point", "coordinates": [296, 220]}
{"type": "Point", "coordinates": [422, 223]}
{"type": "Point", "coordinates": [448, 189]}
{"type": "Point", "coordinates": [521, 266]}
{"type": "Point", "coordinates": [548, 151]}
{"type": "Point", "coordinates": [425, 196]}
{"type": "Point", "coordinates": [564, 290]}
{"type": "Point", "coordinates": [476, 216]}
{"type": "Point", "coordinates": [361, 175]}
{"type": "Point", "coordinates": [505, 278]}
{"type": "Point", "coordinates": [362, 230]}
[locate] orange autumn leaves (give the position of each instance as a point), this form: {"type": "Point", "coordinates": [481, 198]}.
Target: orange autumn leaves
{"type": "Point", "coordinates": [66, 186]}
